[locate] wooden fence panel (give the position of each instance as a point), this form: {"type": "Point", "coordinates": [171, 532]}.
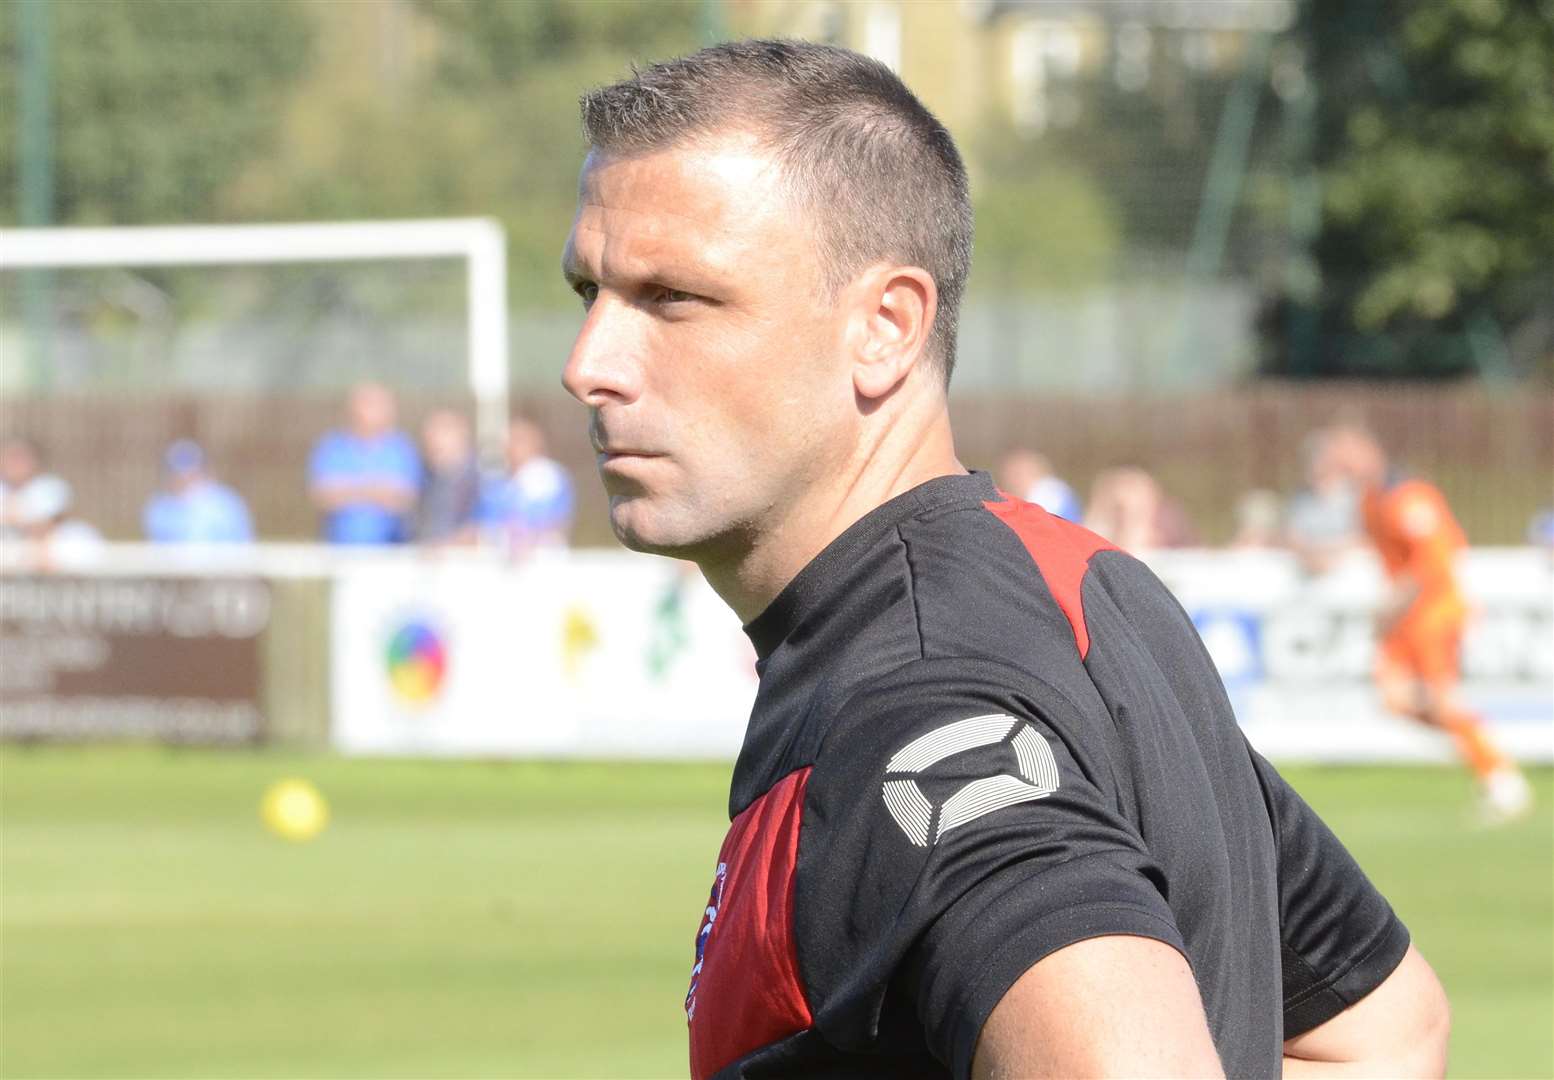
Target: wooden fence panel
{"type": "Point", "coordinates": [1493, 453]}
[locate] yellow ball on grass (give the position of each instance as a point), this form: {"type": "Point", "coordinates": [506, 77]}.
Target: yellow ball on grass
{"type": "Point", "coordinates": [294, 810]}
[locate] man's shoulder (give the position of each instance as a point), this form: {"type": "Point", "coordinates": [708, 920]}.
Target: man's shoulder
{"type": "Point", "coordinates": [215, 494]}
{"type": "Point", "coordinates": [1415, 510]}
{"type": "Point", "coordinates": [399, 447]}
{"type": "Point", "coordinates": [336, 449]}
{"type": "Point", "coordinates": [228, 505]}
{"type": "Point", "coordinates": [1012, 582]}
{"type": "Point", "coordinates": [334, 440]}
{"type": "Point", "coordinates": [950, 700]}
{"type": "Point", "coordinates": [1036, 617]}
{"type": "Point", "coordinates": [541, 478]}
{"type": "Point", "coordinates": [1005, 535]}
{"type": "Point", "coordinates": [161, 514]}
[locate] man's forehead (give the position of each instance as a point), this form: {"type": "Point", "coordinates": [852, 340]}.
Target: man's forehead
{"type": "Point", "coordinates": [719, 197]}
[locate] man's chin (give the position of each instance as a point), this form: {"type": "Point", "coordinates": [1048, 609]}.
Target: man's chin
{"type": "Point", "coordinates": [639, 529]}
{"type": "Point", "coordinates": [635, 529]}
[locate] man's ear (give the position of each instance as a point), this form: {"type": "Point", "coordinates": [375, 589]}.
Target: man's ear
{"type": "Point", "coordinates": [894, 310]}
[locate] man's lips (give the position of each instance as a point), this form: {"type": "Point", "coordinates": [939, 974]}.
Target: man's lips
{"type": "Point", "coordinates": [625, 451]}
{"type": "Point", "coordinates": [623, 460]}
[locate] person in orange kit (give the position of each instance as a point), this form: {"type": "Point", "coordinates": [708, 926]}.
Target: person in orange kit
{"type": "Point", "coordinates": [1424, 613]}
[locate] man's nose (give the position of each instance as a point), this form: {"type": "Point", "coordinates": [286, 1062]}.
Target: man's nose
{"type": "Point", "coordinates": [604, 366]}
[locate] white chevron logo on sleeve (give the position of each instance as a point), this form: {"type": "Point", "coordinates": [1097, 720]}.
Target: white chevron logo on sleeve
{"type": "Point", "coordinates": [912, 810]}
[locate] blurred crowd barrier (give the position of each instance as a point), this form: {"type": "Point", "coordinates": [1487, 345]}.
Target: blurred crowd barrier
{"type": "Point", "coordinates": [607, 654]}
{"type": "Point", "coordinates": [1489, 451]}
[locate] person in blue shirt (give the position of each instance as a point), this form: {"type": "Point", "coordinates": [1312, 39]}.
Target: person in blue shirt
{"type": "Point", "coordinates": [530, 504]}
{"type": "Point", "coordinates": [364, 477]}
{"type": "Point", "coordinates": [1028, 475]}
{"type": "Point", "coordinates": [192, 508]}
{"type": "Point", "coordinates": [1540, 530]}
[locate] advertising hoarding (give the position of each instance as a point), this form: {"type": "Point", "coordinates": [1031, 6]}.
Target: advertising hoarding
{"type": "Point", "coordinates": [615, 655]}
{"type": "Point", "coordinates": [110, 657]}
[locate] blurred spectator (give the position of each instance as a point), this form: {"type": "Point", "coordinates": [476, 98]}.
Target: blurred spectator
{"type": "Point", "coordinates": [41, 517]}
{"type": "Point", "coordinates": [364, 478]}
{"type": "Point", "coordinates": [1129, 508]}
{"type": "Point", "coordinates": [1540, 530]}
{"type": "Point", "coordinates": [1322, 521]}
{"type": "Point", "coordinates": [1028, 475]}
{"type": "Point", "coordinates": [192, 508]}
{"type": "Point", "coordinates": [1257, 520]}
{"type": "Point", "coordinates": [1424, 612]}
{"type": "Point", "coordinates": [21, 466]}
{"type": "Point", "coordinates": [450, 487]}
{"type": "Point", "coordinates": [530, 505]}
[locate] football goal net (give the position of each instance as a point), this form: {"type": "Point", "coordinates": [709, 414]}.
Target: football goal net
{"type": "Point", "coordinates": [249, 309]}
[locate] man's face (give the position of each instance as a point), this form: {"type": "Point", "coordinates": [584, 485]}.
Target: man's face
{"type": "Point", "coordinates": [711, 357]}
{"type": "Point", "coordinates": [1353, 458]}
{"type": "Point", "coordinates": [446, 439]}
{"type": "Point", "coordinates": [371, 410]}
{"type": "Point", "coordinates": [18, 464]}
{"type": "Point", "coordinates": [524, 443]}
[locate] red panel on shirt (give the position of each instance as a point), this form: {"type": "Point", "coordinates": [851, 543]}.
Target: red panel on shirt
{"type": "Point", "coordinates": [745, 991]}
{"type": "Point", "coordinates": [1062, 552]}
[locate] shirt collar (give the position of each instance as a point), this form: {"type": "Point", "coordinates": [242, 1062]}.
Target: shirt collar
{"type": "Point", "coordinates": [829, 571]}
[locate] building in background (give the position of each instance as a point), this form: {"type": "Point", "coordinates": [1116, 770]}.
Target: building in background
{"type": "Point", "coordinates": [1025, 61]}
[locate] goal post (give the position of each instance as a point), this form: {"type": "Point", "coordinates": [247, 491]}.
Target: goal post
{"type": "Point", "coordinates": [480, 242]}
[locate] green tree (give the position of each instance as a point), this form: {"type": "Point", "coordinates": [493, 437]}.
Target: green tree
{"type": "Point", "coordinates": [1042, 220]}
{"type": "Point", "coordinates": [156, 104]}
{"type": "Point", "coordinates": [1433, 147]}
{"type": "Point", "coordinates": [484, 123]}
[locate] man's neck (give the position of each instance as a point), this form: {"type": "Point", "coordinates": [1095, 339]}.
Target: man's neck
{"type": "Point", "coordinates": [909, 455]}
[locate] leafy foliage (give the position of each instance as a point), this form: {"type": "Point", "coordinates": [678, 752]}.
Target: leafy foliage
{"type": "Point", "coordinates": [1434, 150]}
{"type": "Point", "coordinates": [482, 121]}
{"type": "Point", "coordinates": [156, 105]}
{"type": "Point", "coordinates": [280, 110]}
{"type": "Point", "coordinates": [1041, 220]}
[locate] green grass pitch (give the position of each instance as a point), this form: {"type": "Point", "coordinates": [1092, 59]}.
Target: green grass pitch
{"type": "Point", "coordinates": [482, 919]}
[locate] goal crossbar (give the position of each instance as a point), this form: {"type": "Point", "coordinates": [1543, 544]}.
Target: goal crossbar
{"type": "Point", "coordinates": [480, 242]}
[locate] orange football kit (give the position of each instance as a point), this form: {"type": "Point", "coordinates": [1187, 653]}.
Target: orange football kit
{"type": "Point", "coordinates": [1418, 668]}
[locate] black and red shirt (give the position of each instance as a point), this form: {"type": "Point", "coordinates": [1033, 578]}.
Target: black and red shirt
{"type": "Point", "coordinates": [982, 734]}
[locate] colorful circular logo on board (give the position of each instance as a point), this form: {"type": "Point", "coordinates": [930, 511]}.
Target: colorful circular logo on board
{"type": "Point", "coordinates": [417, 662]}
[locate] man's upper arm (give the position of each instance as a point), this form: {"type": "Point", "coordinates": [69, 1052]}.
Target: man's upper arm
{"type": "Point", "coordinates": [1106, 1006]}
{"type": "Point", "coordinates": [403, 465]}
{"type": "Point", "coordinates": [1339, 938]}
{"type": "Point", "coordinates": [324, 463]}
{"type": "Point", "coordinates": [1399, 1029]}
{"type": "Point", "coordinates": [980, 839]}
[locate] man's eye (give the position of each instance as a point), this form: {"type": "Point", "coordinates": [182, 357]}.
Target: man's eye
{"type": "Point", "coordinates": [675, 296]}
{"type": "Point", "coordinates": [587, 290]}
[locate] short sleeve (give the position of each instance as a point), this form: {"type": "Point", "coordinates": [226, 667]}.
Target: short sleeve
{"type": "Point", "coordinates": [1339, 938]}
{"type": "Point", "coordinates": [1419, 515]}
{"type": "Point", "coordinates": [955, 834]}
{"type": "Point", "coordinates": [155, 519]}
{"type": "Point", "coordinates": [405, 462]}
{"type": "Point", "coordinates": [237, 523]}
{"type": "Point", "coordinates": [555, 510]}
{"type": "Point", "coordinates": [494, 505]}
{"type": "Point", "coordinates": [324, 464]}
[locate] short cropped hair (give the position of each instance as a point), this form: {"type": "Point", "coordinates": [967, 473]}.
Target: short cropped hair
{"type": "Point", "coordinates": [878, 173]}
